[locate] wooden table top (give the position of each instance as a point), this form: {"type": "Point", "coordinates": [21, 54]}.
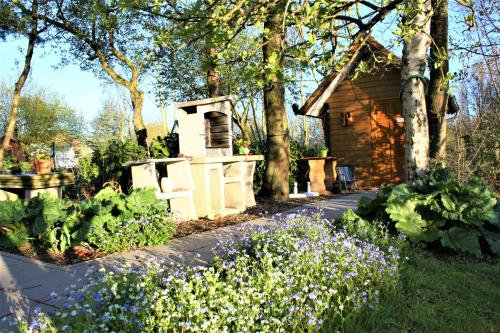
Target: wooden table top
{"type": "Point", "coordinates": [33, 181]}
{"type": "Point", "coordinates": [318, 158]}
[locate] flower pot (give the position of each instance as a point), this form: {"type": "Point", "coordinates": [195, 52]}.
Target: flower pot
{"type": "Point", "coordinates": [244, 150]}
{"type": "Point", "coordinates": [42, 167]}
{"type": "Point", "coordinates": [323, 152]}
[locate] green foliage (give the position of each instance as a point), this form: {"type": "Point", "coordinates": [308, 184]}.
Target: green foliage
{"type": "Point", "coordinates": [296, 153]}
{"type": "Point", "coordinates": [437, 294]}
{"type": "Point", "coordinates": [13, 233]}
{"type": "Point", "coordinates": [439, 209]}
{"type": "Point", "coordinates": [109, 124]}
{"type": "Point", "coordinates": [158, 150]}
{"type": "Point", "coordinates": [125, 222]}
{"type": "Point", "coordinates": [473, 142]}
{"type": "Point", "coordinates": [111, 161]}
{"type": "Point", "coordinates": [109, 222]}
{"type": "Point", "coordinates": [166, 146]}
{"type": "Point", "coordinates": [87, 178]}
{"type": "Point", "coordinates": [373, 232]}
{"type": "Point", "coordinates": [43, 117]}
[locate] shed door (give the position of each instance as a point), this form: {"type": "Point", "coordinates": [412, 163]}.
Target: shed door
{"type": "Point", "coordinates": [387, 141]}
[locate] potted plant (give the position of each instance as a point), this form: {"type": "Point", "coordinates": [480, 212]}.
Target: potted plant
{"type": "Point", "coordinates": [41, 160]}
{"type": "Point", "coordinates": [242, 146]}
{"type": "Point", "coordinates": [25, 166]}
{"type": "Point", "coordinates": [8, 165]}
{"type": "Point", "coordinates": [323, 151]}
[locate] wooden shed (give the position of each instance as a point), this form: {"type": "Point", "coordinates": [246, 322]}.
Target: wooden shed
{"type": "Point", "coordinates": [363, 117]}
{"type": "Point", "coordinates": [15, 147]}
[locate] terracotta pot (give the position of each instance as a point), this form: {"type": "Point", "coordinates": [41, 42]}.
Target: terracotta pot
{"type": "Point", "coordinates": [42, 167]}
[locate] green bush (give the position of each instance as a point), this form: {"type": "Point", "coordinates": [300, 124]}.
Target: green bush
{"type": "Point", "coordinates": [111, 161]}
{"type": "Point", "coordinates": [297, 277]}
{"type": "Point", "coordinates": [125, 222]}
{"type": "Point", "coordinates": [296, 153]}
{"type": "Point", "coordinates": [86, 180]}
{"type": "Point", "coordinates": [109, 222]}
{"type": "Point", "coordinates": [439, 210]}
{"type": "Point", "coordinates": [167, 146]}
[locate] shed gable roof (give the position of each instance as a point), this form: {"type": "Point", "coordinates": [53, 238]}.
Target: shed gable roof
{"type": "Point", "coordinates": [314, 105]}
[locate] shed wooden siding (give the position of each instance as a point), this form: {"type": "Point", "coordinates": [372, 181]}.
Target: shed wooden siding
{"type": "Point", "coordinates": [353, 144]}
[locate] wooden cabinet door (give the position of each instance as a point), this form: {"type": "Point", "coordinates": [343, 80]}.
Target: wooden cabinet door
{"type": "Point", "coordinates": [387, 141]}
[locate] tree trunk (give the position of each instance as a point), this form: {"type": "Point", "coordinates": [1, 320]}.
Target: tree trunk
{"type": "Point", "coordinates": [438, 86]}
{"type": "Point", "coordinates": [254, 116]}
{"type": "Point", "coordinates": [32, 37]}
{"type": "Point", "coordinates": [137, 99]}
{"type": "Point", "coordinates": [246, 131]}
{"type": "Point", "coordinates": [305, 122]}
{"type": "Point", "coordinates": [278, 143]}
{"type": "Point", "coordinates": [325, 122]}
{"type": "Point", "coordinates": [213, 79]}
{"type": "Point", "coordinates": [413, 90]}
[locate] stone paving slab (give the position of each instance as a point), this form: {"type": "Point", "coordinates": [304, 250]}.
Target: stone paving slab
{"type": "Point", "coordinates": [15, 305]}
{"type": "Point", "coordinates": [15, 277]}
{"type": "Point", "coordinates": [26, 283]}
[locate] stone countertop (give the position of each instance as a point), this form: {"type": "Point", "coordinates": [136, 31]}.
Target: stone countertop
{"type": "Point", "coordinates": [156, 160]}
{"type": "Point", "coordinates": [227, 159]}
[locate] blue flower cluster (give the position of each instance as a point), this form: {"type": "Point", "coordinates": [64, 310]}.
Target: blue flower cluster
{"type": "Point", "coordinates": [298, 276]}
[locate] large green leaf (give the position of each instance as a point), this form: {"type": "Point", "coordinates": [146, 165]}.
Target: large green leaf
{"type": "Point", "coordinates": [51, 210]}
{"type": "Point", "coordinates": [15, 236]}
{"type": "Point", "coordinates": [462, 239]}
{"type": "Point", "coordinates": [448, 202]}
{"type": "Point", "coordinates": [493, 239]}
{"type": "Point", "coordinates": [11, 212]}
{"type": "Point", "coordinates": [375, 208]}
{"type": "Point", "coordinates": [140, 200]}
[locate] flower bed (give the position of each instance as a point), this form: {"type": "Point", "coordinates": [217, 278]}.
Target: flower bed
{"type": "Point", "coordinates": [299, 276]}
{"type": "Point", "coordinates": [109, 222]}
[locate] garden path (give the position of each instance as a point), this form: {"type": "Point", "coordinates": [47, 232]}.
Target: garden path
{"type": "Point", "coordinates": [26, 283]}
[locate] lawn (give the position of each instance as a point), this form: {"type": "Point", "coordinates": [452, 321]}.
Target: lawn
{"type": "Point", "coordinates": [439, 294]}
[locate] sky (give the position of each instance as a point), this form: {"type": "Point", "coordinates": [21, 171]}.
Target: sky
{"type": "Point", "coordinates": [81, 90]}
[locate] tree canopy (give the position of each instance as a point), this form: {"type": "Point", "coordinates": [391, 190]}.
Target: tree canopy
{"type": "Point", "coordinates": [43, 118]}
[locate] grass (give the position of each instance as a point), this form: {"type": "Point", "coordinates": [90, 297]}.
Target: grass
{"type": "Point", "coordinates": [439, 294]}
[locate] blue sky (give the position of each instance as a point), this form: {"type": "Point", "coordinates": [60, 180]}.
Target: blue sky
{"type": "Point", "coordinates": [80, 90]}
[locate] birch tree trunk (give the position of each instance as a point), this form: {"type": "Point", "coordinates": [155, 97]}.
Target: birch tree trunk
{"type": "Point", "coordinates": [278, 143]}
{"type": "Point", "coordinates": [438, 89]}
{"type": "Point", "coordinates": [413, 89]}
{"type": "Point", "coordinates": [304, 119]}
{"type": "Point", "coordinates": [32, 37]}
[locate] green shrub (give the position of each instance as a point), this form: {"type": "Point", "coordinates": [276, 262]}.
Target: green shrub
{"type": "Point", "coordinates": [87, 176]}
{"type": "Point", "coordinates": [111, 161]}
{"type": "Point", "coordinates": [297, 277]}
{"type": "Point", "coordinates": [167, 146]}
{"type": "Point", "coordinates": [125, 222]}
{"type": "Point", "coordinates": [109, 222]}
{"type": "Point", "coordinates": [440, 210]}
{"type": "Point", "coordinates": [13, 232]}
{"type": "Point", "coordinates": [296, 153]}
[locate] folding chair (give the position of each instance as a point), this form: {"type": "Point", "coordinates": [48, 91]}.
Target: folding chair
{"type": "Point", "coordinates": [346, 177]}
